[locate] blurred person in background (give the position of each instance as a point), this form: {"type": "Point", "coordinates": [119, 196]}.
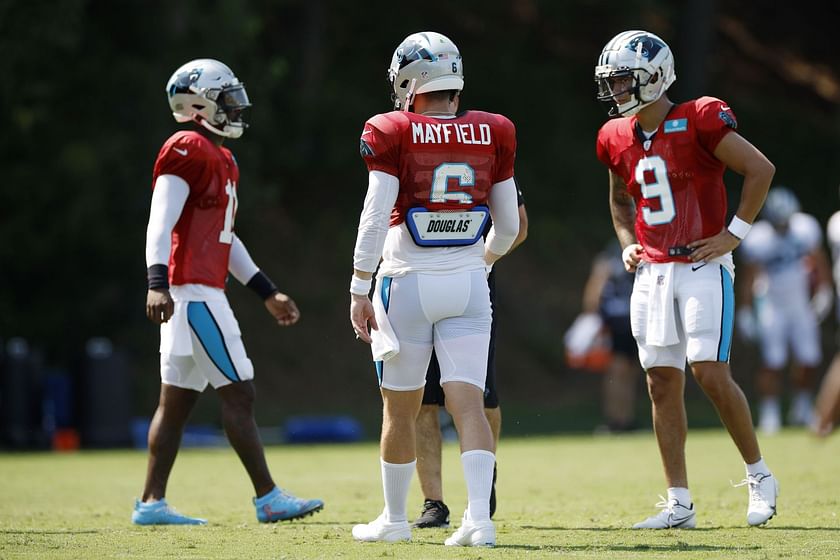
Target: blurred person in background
{"type": "Point", "coordinates": [607, 294]}
{"type": "Point", "coordinates": [827, 409]}
{"type": "Point", "coordinates": [190, 248]}
{"type": "Point", "coordinates": [784, 293]}
{"type": "Point", "coordinates": [668, 204]}
{"type": "Point", "coordinates": [435, 512]}
{"type": "Point", "coordinates": [435, 176]}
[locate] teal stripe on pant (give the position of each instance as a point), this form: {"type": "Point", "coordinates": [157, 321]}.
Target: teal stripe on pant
{"type": "Point", "coordinates": [207, 330]}
{"type": "Point", "coordinates": [727, 316]}
{"type": "Point", "coordinates": [385, 294]}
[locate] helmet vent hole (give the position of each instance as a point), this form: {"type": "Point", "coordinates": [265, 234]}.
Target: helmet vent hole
{"type": "Point", "coordinates": [404, 84]}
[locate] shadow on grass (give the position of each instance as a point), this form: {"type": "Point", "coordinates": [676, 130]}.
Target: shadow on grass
{"type": "Point", "coordinates": [798, 528]}
{"type": "Point", "coordinates": [696, 529]}
{"type": "Point", "coordinates": [607, 529]}
{"type": "Point", "coordinates": [676, 547]}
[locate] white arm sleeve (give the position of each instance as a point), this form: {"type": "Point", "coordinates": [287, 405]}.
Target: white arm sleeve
{"type": "Point", "coordinates": [373, 224]}
{"type": "Point", "coordinates": [168, 199]}
{"type": "Point", "coordinates": [505, 213]}
{"type": "Point", "coordinates": [241, 265]}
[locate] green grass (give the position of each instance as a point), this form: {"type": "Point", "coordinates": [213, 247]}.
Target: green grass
{"type": "Point", "coordinates": [559, 497]}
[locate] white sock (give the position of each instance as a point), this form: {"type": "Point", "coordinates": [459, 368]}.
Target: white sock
{"type": "Point", "coordinates": [396, 480]}
{"type": "Point", "coordinates": [802, 398]}
{"type": "Point", "coordinates": [759, 467]}
{"type": "Point", "coordinates": [771, 404]}
{"type": "Point", "coordinates": [681, 495]}
{"type": "Point", "coordinates": [478, 473]}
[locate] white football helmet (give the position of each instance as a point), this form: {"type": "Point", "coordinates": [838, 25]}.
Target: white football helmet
{"type": "Point", "coordinates": [641, 65]}
{"type": "Point", "coordinates": [422, 63]}
{"type": "Point", "coordinates": [780, 205]}
{"type": "Point", "coordinates": [207, 92]}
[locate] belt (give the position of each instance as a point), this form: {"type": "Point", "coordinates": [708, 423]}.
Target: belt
{"type": "Point", "coordinates": [679, 251]}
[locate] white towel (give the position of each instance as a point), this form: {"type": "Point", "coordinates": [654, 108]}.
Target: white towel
{"type": "Point", "coordinates": [661, 319]}
{"type": "Point", "coordinates": [582, 334]}
{"type": "Point", "coordinates": [384, 343]}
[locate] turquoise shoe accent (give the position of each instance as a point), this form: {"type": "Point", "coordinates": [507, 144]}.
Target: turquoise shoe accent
{"type": "Point", "coordinates": [279, 505]}
{"type": "Point", "coordinates": [160, 513]}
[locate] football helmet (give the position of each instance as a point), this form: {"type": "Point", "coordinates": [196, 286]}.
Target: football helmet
{"type": "Point", "coordinates": [207, 92]}
{"type": "Point", "coordinates": [634, 70]}
{"type": "Point", "coordinates": [780, 205]}
{"type": "Point", "coordinates": [422, 63]}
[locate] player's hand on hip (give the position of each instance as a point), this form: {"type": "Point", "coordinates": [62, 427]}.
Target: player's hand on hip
{"type": "Point", "coordinates": [361, 314]}
{"type": "Point", "coordinates": [282, 308]}
{"type": "Point", "coordinates": [713, 247]}
{"type": "Point", "coordinates": [632, 256]}
{"type": "Point", "coordinates": [159, 305]}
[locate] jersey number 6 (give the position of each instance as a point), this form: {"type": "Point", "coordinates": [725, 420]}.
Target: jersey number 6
{"type": "Point", "coordinates": [462, 172]}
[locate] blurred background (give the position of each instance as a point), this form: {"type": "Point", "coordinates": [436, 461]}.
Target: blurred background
{"type": "Point", "coordinates": [84, 113]}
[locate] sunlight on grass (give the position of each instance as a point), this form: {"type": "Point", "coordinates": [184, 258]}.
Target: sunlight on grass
{"type": "Point", "coordinates": [569, 496]}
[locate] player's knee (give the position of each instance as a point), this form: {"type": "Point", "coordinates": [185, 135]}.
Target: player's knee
{"type": "Point", "coordinates": [713, 377]}
{"type": "Point", "coordinates": [464, 409]}
{"type": "Point", "coordinates": [663, 383]}
{"type": "Point", "coordinates": [238, 397]}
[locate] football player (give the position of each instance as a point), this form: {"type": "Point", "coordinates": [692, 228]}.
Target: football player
{"type": "Point", "coordinates": [434, 179]}
{"type": "Point", "coordinates": [435, 512]}
{"type": "Point", "coordinates": [607, 293]}
{"type": "Point", "coordinates": [783, 255]}
{"type": "Point", "coordinates": [191, 246]}
{"type": "Point", "coordinates": [827, 409]}
{"type": "Point", "coordinates": [668, 204]}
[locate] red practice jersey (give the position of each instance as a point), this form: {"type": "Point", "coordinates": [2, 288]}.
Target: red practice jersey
{"type": "Point", "coordinates": [677, 182]}
{"type": "Point", "coordinates": [202, 238]}
{"type": "Point", "coordinates": [442, 164]}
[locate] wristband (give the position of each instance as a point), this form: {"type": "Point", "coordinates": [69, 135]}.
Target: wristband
{"type": "Point", "coordinates": [262, 285]}
{"type": "Point", "coordinates": [157, 277]}
{"type": "Point", "coordinates": [738, 227]}
{"type": "Point", "coordinates": [360, 286]}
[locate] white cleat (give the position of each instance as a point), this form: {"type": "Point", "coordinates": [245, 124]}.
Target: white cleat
{"type": "Point", "coordinates": [674, 515]}
{"type": "Point", "coordinates": [763, 488]}
{"type": "Point", "coordinates": [381, 530]}
{"type": "Point", "coordinates": [473, 533]}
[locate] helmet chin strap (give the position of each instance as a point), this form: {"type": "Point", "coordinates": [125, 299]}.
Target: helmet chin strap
{"type": "Point", "coordinates": [637, 97]}
{"type": "Point", "coordinates": [235, 132]}
{"type": "Point", "coordinates": [409, 94]}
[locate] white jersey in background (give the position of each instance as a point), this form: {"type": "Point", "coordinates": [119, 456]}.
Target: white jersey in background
{"type": "Point", "coordinates": [781, 255]}
{"type": "Point", "coordinates": [833, 235]}
{"type": "Point", "coordinates": [782, 290]}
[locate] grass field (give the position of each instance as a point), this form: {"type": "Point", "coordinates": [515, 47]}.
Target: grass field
{"type": "Point", "coordinates": [559, 497]}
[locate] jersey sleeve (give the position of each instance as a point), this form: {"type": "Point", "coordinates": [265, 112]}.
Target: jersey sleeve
{"type": "Point", "coordinates": [758, 244]}
{"type": "Point", "coordinates": [833, 230]}
{"type": "Point", "coordinates": [379, 145]}
{"type": "Point", "coordinates": [506, 151]}
{"type": "Point", "coordinates": [181, 158]}
{"type": "Point", "coordinates": [602, 143]}
{"type": "Point", "coordinates": [807, 229]}
{"type": "Point", "coordinates": [714, 120]}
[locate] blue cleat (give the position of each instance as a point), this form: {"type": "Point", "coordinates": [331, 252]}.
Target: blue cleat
{"type": "Point", "coordinates": [160, 513]}
{"type": "Point", "coordinates": [278, 505]}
